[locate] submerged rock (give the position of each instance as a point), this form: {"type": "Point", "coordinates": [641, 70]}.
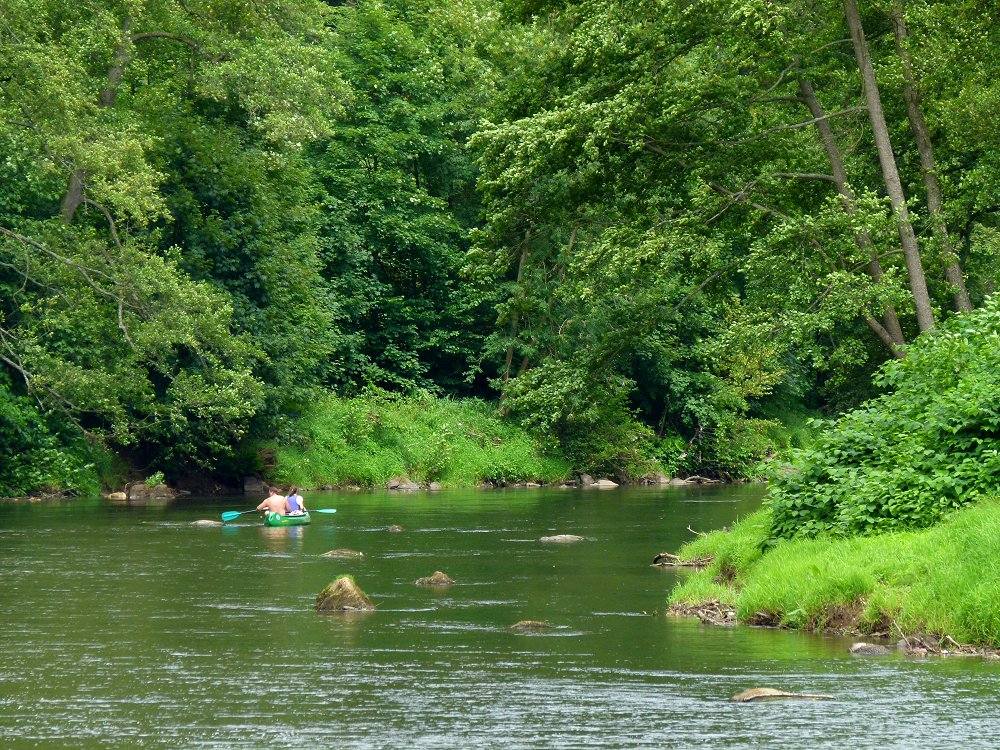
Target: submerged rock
{"type": "Point", "coordinates": [764, 693]}
{"type": "Point", "coordinates": [563, 538]}
{"type": "Point", "coordinates": [118, 497]}
{"type": "Point", "coordinates": [438, 579]}
{"type": "Point", "coordinates": [395, 528]}
{"type": "Point", "coordinates": [343, 553]}
{"type": "Point", "coordinates": [343, 595]}
{"type": "Point", "coordinates": [530, 625]}
{"type": "Point", "coordinates": [206, 522]}
{"type": "Point", "coordinates": [869, 649]}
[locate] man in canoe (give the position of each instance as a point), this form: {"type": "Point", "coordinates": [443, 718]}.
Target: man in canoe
{"type": "Point", "coordinates": [275, 503]}
{"type": "Point", "coordinates": [296, 505]}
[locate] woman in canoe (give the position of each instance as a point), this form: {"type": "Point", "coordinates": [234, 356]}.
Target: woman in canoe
{"type": "Point", "coordinates": [296, 505]}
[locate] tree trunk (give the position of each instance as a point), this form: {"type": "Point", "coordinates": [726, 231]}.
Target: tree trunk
{"type": "Point", "coordinates": [106, 99]}
{"type": "Point", "coordinates": [922, 135]}
{"type": "Point", "coordinates": [889, 331]}
{"type": "Point", "coordinates": [890, 175]}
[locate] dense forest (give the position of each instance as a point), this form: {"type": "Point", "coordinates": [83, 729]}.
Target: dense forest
{"type": "Point", "coordinates": [650, 234]}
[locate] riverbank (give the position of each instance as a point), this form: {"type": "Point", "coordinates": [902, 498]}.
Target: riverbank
{"type": "Point", "coordinates": [366, 441]}
{"type": "Point", "coordinates": [939, 586]}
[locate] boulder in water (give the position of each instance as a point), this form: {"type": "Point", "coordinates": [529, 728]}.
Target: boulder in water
{"type": "Point", "coordinates": [343, 595]}
{"type": "Point", "coordinates": [563, 538]}
{"type": "Point", "coordinates": [207, 522]}
{"type": "Point", "coordinates": [438, 579]}
{"type": "Point", "coordinates": [530, 625]}
{"type": "Point", "coordinates": [343, 553]}
{"type": "Point", "coordinates": [869, 649]}
{"type": "Point", "coordinates": [395, 528]}
{"type": "Point", "coordinates": [764, 693]}
{"type": "Point", "coordinates": [402, 484]}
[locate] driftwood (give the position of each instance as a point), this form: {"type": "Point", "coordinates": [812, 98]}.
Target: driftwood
{"type": "Point", "coordinates": [668, 560]}
{"type": "Point", "coordinates": [710, 613]}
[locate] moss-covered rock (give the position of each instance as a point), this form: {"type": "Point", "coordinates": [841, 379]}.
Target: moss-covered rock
{"type": "Point", "coordinates": [343, 595]}
{"type": "Point", "coordinates": [438, 579]}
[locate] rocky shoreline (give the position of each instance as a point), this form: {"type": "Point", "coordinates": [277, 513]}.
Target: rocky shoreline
{"type": "Point", "coordinates": [918, 645]}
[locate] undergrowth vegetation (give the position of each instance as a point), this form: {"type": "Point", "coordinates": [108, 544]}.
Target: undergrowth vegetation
{"type": "Point", "coordinates": [904, 460]}
{"type": "Point", "coordinates": [900, 583]}
{"type": "Point", "coordinates": [373, 437]}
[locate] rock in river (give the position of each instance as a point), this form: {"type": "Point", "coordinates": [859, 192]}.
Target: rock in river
{"type": "Point", "coordinates": [764, 693]}
{"type": "Point", "coordinates": [438, 579]}
{"type": "Point", "coordinates": [530, 625]}
{"type": "Point", "coordinates": [343, 595]}
{"type": "Point", "coordinates": [343, 553]}
{"type": "Point", "coordinates": [206, 522]}
{"type": "Point", "coordinates": [563, 538]}
{"type": "Point", "coordinates": [868, 649]}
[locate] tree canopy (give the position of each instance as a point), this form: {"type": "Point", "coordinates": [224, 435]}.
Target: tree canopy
{"type": "Point", "coordinates": [644, 229]}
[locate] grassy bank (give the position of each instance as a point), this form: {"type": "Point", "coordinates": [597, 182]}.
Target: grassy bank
{"type": "Point", "coordinates": [944, 580]}
{"type": "Point", "coordinates": [369, 439]}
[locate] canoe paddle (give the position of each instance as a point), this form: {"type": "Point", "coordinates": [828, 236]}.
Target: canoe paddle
{"type": "Point", "coordinates": [229, 515]}
{"type": "Point", "coordinates": [323, 510]}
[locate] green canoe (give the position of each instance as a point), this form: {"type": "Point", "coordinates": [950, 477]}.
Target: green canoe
{"type": "Point", "coordinates": [276, 519]}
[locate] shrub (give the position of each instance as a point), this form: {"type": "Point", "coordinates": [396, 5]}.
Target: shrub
{"type": "Point", "coordinates": [904, 460]}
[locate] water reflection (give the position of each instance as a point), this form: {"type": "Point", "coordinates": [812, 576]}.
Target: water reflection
{"type": "Point", "coordinates": [283, 539]}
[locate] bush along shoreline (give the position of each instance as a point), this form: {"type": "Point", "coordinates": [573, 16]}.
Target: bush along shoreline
{"type": "Point", "coordinates": [418, 440]}
{"type": "Point", "coordinates": [869, 529]}
{"type": "Point", "coordinates": [921, 588]}
{"type": "Point", "coordinates": [370, 440]}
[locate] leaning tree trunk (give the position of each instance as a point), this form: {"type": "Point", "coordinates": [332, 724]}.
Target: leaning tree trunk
{"type": "Point", "coordinates": [890, 174]}
{"type": "Point", "coordinates": [922, 135]}
{"type": "Point", "coordinates": [75, 192]}
{"type": "Point", "coordinates": [889, 331]}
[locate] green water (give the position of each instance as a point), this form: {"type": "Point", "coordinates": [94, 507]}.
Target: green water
{"type": "Point", "coordinates": [128, 627]}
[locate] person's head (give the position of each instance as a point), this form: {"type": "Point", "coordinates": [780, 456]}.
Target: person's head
{"type": "Point", "coordinates": [293, 491]}
{"type": "Point", "coordinates": [273, 490]}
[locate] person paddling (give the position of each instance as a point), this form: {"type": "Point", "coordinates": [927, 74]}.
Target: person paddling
{"type": "Point", "coordinates": [296, 505]}
{"type": "Point", "coordinates": [275, 503]}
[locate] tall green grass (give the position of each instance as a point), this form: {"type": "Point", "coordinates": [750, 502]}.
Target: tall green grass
{"type": "Point", "coordinates": [943, 580]}
{"type": "Point", "coordinates": [371, 438]}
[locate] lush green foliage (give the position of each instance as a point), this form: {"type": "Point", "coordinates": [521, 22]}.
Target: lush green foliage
{"type": "Point", "coordinates": [377, 435]}
{"type": "Point", "coordinates": [908, 458]}
{"type": "Point", "coordinates": [642, 226]}
{"type": "Point", "coordinates": [41, 455]}
{"type": "Point", "coordinates": [914, 582]}
{"type": "Point", "coordinates": [668, 230]}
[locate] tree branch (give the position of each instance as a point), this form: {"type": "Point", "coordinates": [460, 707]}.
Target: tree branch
{"type": "Point", "coordinates": [177, 38]}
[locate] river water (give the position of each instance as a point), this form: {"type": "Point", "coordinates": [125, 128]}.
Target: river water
{"type": "Point", "coordinates": [129, 627]}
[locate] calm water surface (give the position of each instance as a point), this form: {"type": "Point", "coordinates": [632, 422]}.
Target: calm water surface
{"type": "Point", "coordinates": [128, 627]}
